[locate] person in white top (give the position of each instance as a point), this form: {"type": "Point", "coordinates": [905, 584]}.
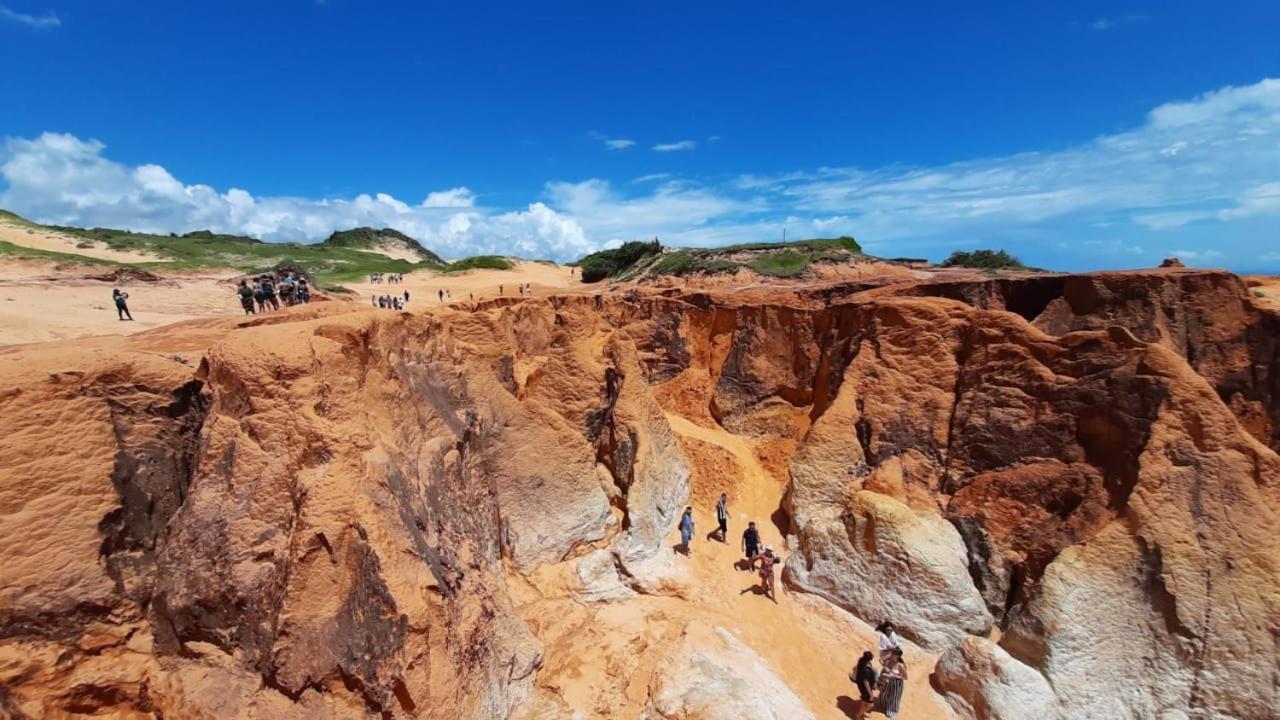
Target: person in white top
{"type": "Point", "coordinates": [889, 641]}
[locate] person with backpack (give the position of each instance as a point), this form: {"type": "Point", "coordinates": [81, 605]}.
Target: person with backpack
{"type": "Point", "coordinates": [246, 297]}
{"type": "Point", "coordinates": [864, 677]}
{"type": "Point", "coordinates": [122, 304]}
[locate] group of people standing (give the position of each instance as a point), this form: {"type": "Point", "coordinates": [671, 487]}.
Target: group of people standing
{"type": "Point", "coordinates": [881, 692]}
{"type": "Point", "coordinates": [270, 291]}
{"type": "Point", "coordinates": [389, 278]}
{"type": "Point", "coordinates": [878, 692]}
{"type": "Point", "coordinates": [391, 302]}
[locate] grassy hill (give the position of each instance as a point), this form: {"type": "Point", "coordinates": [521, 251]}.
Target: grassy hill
{"type": "Point", "coordinates": [367, 238]}
{"type": "Point", "coordinates": [345, 256]}
{"type": "Point", "coordinates": [776, 259]}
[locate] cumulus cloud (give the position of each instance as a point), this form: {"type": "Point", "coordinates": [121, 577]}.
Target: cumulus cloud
{"type": "Point", "coordinates": [58, 178]}
{"type": "Point", "coordinates": [47, 21]}
{"type": "Point", "coordinates": [1199, 174]}
{"type": "Point", "coordinates": [1214, 158]}
{"type": "Point", "coordinates": [458, 197]}
{"type": "Point", "coordinates": [674, 146]}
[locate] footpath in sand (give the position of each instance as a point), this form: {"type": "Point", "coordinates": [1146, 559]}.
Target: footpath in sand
{"type": "Point", "coordinates": [601, 658]}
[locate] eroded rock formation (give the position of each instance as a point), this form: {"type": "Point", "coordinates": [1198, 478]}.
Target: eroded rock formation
{"type": "Point", "coordinates": [1064, 486]}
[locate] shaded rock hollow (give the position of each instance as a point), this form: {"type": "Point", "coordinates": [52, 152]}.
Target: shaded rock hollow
{"type": "Point", "coordinates": [336, 512]}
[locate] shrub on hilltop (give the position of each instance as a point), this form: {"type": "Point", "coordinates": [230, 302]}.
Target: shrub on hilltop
{"type": "Point", "coordinates": [984, 260]}
{"type": "Point", "coordinates": [610, 263]}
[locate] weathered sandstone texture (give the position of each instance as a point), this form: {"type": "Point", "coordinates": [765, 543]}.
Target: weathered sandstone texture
{"type": "Point", "coordinates": [1065, 488]}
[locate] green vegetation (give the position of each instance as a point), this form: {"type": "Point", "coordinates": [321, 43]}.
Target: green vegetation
{"type": "Point", "coordinates": [775, 259]}
{"type": "Point", "coordinates": [362, 238]}
{"type": "Point", "coordinates": [844, 242]}
{"type": "Point", "coordinates": [1259, 293]}
{"type": "Point", "coordinates": [984, 260]}
{"type": "Point", "coordinates": [611, 263]}
{"type": "Point", "coordinates": [346, 256]}
{"type": "Point", "coordinates": [478, 262]}
{"type": "Point", "coordinates": [787, 263]}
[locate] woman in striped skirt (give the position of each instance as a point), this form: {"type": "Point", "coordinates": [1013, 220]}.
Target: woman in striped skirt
{"type": "Point", "coordinates": [892, 679]}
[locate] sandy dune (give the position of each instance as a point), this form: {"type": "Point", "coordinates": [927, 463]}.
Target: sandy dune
{"type": "Point", "coordinates": [41, 239]}
{"type": "Point", "coordinates": [424, 285]}
{"type": "Point", "coordinates": [39, 302]}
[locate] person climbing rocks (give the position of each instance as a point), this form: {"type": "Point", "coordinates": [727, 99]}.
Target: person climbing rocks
{"type": "Point", "coordinates": [888, 641]}
{"type": "Point", "coordinates": [246, 296]}
{"type": "Point", "coordinates": [750, 544]}
{"type": "Point", "coordinates": [767, 583]}
{"type": "Point", "coordinates": [686, 531]}
{"type": "Point", "coordinates": [892, 679]}
{"type": "Point", "coordinates": [122, 304]}
{"type": "Point", "coordinates": [864, 677]}
{"type": "Point", "coordinates": [722, 517]}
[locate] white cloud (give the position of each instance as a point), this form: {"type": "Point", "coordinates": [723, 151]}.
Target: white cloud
{"type": "Point", "coordinates": [40, 22]}
{"type": "Point", "coordinates": [1225, 166]}
{"type": "Point", "coordinates": [674, 146]}
{"type": "Point", "coordinates": [611, 143]}
{"type": "Point", "coordinates": [1200, 173]}
{"type": "Point", "coordinates": [61, 179]}
{"type": "Point", "coordinates": [459, 197]}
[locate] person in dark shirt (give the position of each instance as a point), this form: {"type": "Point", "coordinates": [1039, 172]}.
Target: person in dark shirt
{"type": "Point", "coordinates": [750, 544]}
{"type": "Point", "coordinates": [864, 676]}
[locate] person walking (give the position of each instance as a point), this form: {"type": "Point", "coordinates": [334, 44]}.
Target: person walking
{"type": "Point", "coordinates": [767, 583]}
{"type": "Point", "coordinates": [722, 517]}
{"type": "Point", "coordinates": [750, 544]}
{"type": "Point", "coordinates": [246, 297]}
{"type": "Point", "coordinates": [122, 304]}
{"type": "Point", "coordinates": [686, 531]}
{"type": "Point", "coordinates": [892, 679]}
{"type": "Point", "coordinates": [864, 677]}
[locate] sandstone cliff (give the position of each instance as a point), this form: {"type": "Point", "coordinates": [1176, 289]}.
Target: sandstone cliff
{"type": "Point", "coordinates": [1062, 488]}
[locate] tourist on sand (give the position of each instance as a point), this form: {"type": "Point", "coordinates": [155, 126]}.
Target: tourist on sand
{"type": "Point", "coordinates": [122, 305]}
{"type": "Point", "coordinates": [246, 296]}
{"type": "Point", "coordinates": [864, 676]}
{"type": "Point", "coordinates": [722, 517]}
{"type": "Point", "coordinates": [750, 544]}
{"type": "Point", "coordinates": [686, 531]}
{"type": "Point", "coordinates": [269, 293]}
{"type": "Point", "coordinates": [406, 296]}
{"type": "Point", "coordinates": [889, 641]}
{"type": "Point", "coordinates": [441, 294]}
{"type": "Point", "coordinates": [892, 678]}
{"type": "Point", "coordinates": [499, 291]}
{"type": "Point", "coordinates": [767, 561]}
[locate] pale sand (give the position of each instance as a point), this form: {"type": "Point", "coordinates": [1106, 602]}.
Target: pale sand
{"type": "Point", "coordinates": [424, 285]}
{"type": "Point", "coordinates": [39, 302]}
{"type": "Point", "coordinates": [41, 239]}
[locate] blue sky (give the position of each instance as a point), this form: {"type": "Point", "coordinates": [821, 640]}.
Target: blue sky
{"type": "Point", "coordinates": [1077, 135]}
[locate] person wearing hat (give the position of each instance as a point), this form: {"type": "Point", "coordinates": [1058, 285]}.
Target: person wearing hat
{"type": "Point", "coordinates": [767, 561]}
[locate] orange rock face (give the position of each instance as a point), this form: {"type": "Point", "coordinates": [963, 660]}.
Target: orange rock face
{"type": "Point", "coordinates": [1065, 487]}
